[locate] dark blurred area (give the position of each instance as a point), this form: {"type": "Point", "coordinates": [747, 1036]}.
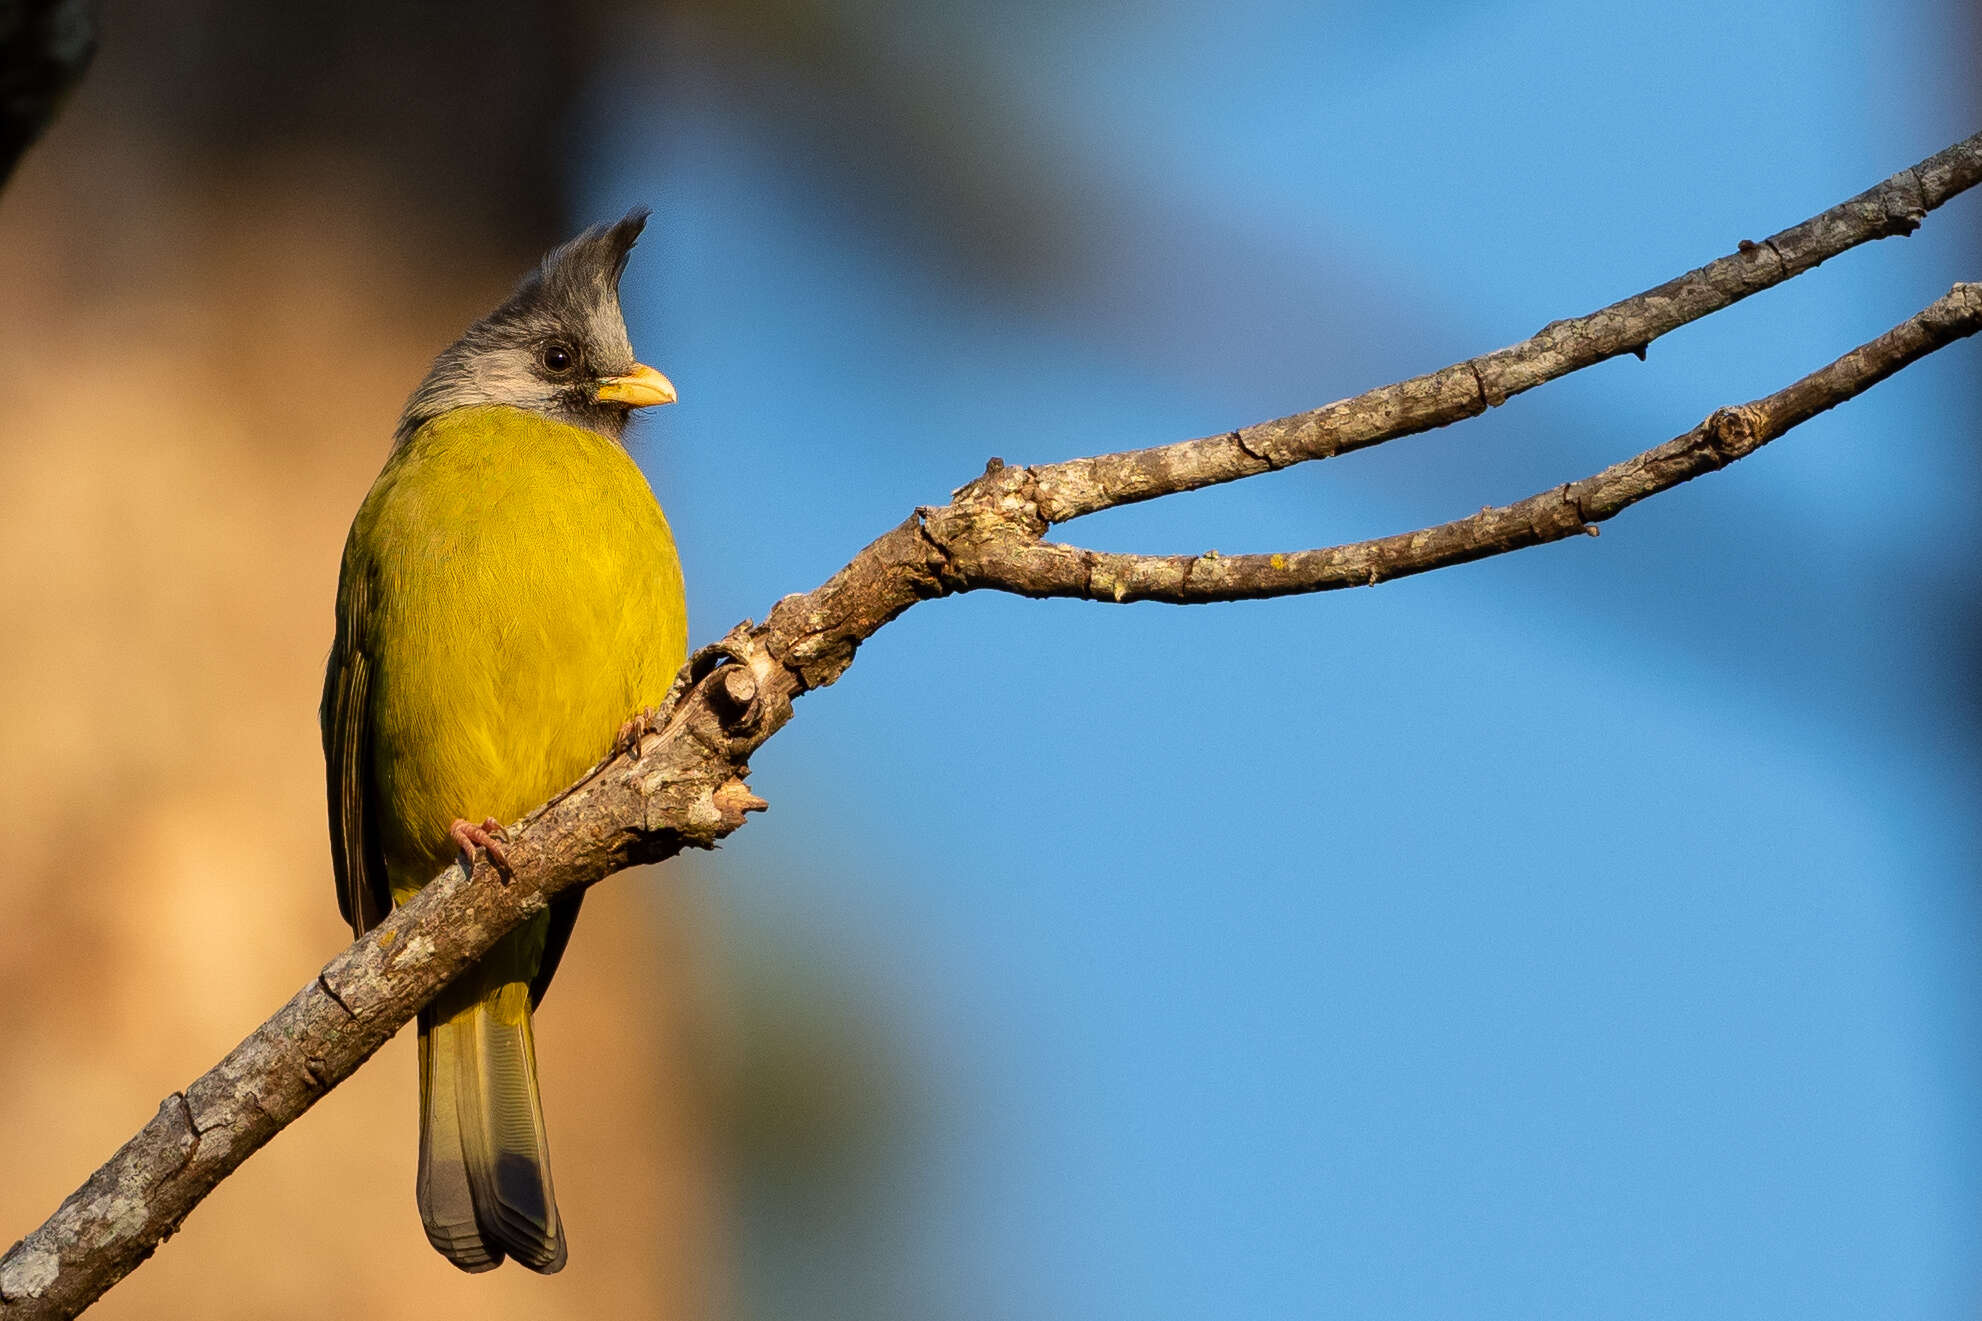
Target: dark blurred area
{"type": "Point", "coordinates": [45, 45]}
{"type": "Point", "coordinates": [469, 111]}
{"type": "Point", "coordinates": [463, 108]}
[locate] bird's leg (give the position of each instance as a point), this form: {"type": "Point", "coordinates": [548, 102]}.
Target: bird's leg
{"type": "Point", "coordinates": [645, 721]}
{"type": "Point", "coordinates": [490, 838]}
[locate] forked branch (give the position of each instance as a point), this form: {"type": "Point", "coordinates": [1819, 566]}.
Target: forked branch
{"type": "Point", "coordinates": [1040, 568]}
{"type": "Point", "coordinates": [683, 786]}
{"type": "Point", "coordinates": [1895, 207]}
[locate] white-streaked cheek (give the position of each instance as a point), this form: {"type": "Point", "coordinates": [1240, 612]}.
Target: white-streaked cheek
{"type": "Point", "coordinates": [510, 377]}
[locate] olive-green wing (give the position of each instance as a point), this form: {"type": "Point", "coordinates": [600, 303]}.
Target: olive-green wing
{"type": "Point", "coordinates": [564, 916]}
{"type": "Point", "coordinates": [364, 894]}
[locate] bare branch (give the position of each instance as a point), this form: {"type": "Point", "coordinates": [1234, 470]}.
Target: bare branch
{"type": "Point", "coordinates": [684, 792]}
{"type": "Point", "coordinates": [683, 786]}
{"type": "Point", "coordinates": [1897, 206]}
{"type": "Point", "coordinates": [1049, 569]}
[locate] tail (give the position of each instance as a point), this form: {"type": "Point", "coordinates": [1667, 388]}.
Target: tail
{"type": "Point", "coordinates": [485, 1174]}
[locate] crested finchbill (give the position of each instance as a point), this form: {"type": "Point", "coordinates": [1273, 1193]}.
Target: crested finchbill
{"type": "Point", "coordinates": [510, 596]}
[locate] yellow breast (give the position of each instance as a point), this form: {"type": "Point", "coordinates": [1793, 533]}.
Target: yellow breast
{"type": "Point", "coordinates": [527, 601]}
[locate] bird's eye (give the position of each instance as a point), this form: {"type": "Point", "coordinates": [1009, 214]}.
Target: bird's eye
{"type": "Point", "coordinates": [556, 359]}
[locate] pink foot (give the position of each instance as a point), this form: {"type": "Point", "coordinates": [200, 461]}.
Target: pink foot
{"type": "Point", "coordinates": [645, 721]}
{"type": "Point", "coordinates": [490, 838]}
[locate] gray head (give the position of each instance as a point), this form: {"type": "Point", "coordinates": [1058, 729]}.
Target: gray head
{"type": "Point", "coordinates": [557, 346]}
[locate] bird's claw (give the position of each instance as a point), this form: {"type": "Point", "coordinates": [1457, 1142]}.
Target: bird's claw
{"type": "Point", "coordinates": [488, 837]}
{"type": "Point", "coordinates": [645, 721]}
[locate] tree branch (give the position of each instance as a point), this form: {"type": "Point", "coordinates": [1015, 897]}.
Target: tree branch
{"type": "Point", "coordinates": [683, 787]}
{"type": "Point", "coordinates": [1036, 568]}
{"type": "Point", "coordinates": [1897, 206]}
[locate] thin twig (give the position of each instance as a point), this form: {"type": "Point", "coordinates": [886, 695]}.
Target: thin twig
{"type": "Point", "coordinates": [1043, 569]}
{"type": "Point", "coordinates": [1896, 207]}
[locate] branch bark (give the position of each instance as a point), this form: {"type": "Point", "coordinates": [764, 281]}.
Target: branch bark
{"type": "Point", "coordinates": [1038, 568]}
{"type": "Point", "coordinates": [1895, 207]}
{"type": "Point", "coordinates": [684, 786]}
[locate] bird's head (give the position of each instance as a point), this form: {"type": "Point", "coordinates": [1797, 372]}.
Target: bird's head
{"type": "Point", "coordinates": [557, 346]}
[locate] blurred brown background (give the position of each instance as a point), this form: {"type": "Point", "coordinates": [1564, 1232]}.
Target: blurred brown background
{"type": "Point", "coordinates": [222, 271]}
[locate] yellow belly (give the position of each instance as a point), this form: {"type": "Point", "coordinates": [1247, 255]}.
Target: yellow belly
{"type": "Point", "coordinates": [529, 601]}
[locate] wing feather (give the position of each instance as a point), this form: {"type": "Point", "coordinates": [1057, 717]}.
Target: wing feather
{"type": "Point", "coordinates": [364, 894]}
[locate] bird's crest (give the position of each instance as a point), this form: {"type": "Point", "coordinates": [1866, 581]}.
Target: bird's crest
{"type": "Point", "coordinates": [584, 272]}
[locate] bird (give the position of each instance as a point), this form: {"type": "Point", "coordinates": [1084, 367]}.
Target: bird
{"type": "Point", "coordinates": [509, 604]}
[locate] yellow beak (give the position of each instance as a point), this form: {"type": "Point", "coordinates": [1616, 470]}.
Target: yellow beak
{"type": "Point", "coordinates": [642, 387]}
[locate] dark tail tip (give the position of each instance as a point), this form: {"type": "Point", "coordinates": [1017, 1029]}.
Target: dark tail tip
{"type": "Point", "coordinates": [524, 1220]}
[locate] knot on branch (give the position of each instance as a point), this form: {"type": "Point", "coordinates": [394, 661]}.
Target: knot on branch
{"type": "Point", "coordinates": [736, 679]}
{"type": "Point", "coordinates": [1730, 433]}
{"type": "Point", "coordinates": [1004, 500]}
{"type": "Point", "coordinates": [992, 517]}
{"type": "Point", "coordinates": [734, 696]}
{"type": "Point", "coordinates": [1567, 513]}
{"type": "Point", "coordinates": [1904, 205]}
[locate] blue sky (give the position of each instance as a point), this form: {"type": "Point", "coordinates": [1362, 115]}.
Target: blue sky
{"type": "Point", "coordinates": [1586, 931]}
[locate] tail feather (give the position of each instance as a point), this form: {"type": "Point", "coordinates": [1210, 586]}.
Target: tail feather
{"type": "Point", "coordinates": [447, 1207]}
{"type": "Point", "coordinates": [485, 1179]}
{"type": "Point", "coordinates": [508, 1160]}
